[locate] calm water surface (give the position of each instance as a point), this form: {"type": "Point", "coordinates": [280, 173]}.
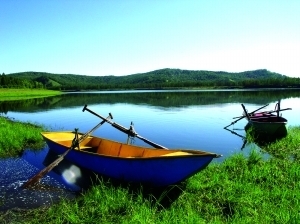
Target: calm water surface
{"type": "Point", "coordinates": [174, 119]}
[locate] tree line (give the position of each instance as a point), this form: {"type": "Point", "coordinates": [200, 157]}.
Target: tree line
{"type": "Point", "coordinates": [15, 82]}
{"type": "Point", "coordinates": [159, 79]}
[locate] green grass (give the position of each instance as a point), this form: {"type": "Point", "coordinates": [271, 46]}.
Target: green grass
{"type": "Point", "coordinates": [239, 190]}
{"type": "Point", "coordinates": [285, 147]}
{"type": "Point", "coordinates": [288, 147]}
{"type": "Point", "coordinates": [18, 94]}
{"type": "Point", "coordinates": [16, 136]}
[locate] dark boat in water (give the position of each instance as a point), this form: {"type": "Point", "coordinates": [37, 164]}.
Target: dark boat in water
{"type": "Point", "coordinates": [266, 123]}
{"type": "Point", "coordinates": [264, 126]}
{"type": "Point", "coordinates": [270, 125]}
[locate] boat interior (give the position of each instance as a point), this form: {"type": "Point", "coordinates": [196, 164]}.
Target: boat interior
{"type": "Point", "coordinates": [268, 119]}
{"type": "Point", "coordinates": [117, 149]}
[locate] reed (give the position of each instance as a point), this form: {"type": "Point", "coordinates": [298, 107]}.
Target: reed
{"type": "Point", "coordinates": [241, 189]}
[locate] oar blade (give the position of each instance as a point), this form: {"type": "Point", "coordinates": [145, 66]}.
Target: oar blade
{"type": "Point", "coordinates": [33, 180]}
{"type": "Point", "coordinates": [36, 178]}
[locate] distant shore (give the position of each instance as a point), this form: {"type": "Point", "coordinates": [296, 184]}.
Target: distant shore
{"type": "Point", "coordinates": [19, 94]}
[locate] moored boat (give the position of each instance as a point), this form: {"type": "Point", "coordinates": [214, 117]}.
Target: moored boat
{"type": "Point", "coordinates": [264, 125]}
{"type": "Point", "coordinates": [271, 125]}
{"type": "Point", "coordinates": [265, 122]}
{"type": "Point", "coordinates": [130, 163]}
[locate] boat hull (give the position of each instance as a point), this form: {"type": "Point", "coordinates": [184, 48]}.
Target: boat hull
{"type": "Point", "coordinates": [157, 171]}
{"type": "Point", "coordinates": [267, 125]}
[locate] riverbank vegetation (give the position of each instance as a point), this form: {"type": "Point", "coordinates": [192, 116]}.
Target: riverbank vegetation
{"type": "Point", "coordinates": [19, 94]}
{"type": "Point", "coordinates": [158, 79]}
{"type": "Point", "coordinates": [241, 189]}
{"type": "Point", "coordinates": [16, 136]}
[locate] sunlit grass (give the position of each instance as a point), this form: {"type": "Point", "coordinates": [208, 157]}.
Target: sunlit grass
{"type": "Point", "coordinates": [15, 136]}
{"type": "Point", "coordinates": [286, 148]}
{"type": "Point", "coordinates": [18, 94]}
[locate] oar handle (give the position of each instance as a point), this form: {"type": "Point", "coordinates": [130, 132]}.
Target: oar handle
{"type": "Point", "coordinates": [92, 112]}
{"type": "Point", "coordinates": [129, 131]}
{"type": "Point", "coordinates": [246, 113]}
{"type": "Point", "coordinates": [114, 124]}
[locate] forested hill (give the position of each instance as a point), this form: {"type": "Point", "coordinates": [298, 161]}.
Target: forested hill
{"type": "Point", "coordinates": [158, 79]}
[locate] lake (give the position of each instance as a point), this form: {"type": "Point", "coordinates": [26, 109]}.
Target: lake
{"type": "Point", "coordinates": [188, 119]}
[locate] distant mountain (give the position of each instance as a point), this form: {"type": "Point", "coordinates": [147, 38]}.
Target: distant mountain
{"type": "Point", "coordinates": [163, 78]}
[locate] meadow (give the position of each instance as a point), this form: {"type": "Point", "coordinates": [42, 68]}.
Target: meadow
{"type": "Point", "coordinates": [241, 189]}
{"type": "Point", "coordinates": [19, 94]}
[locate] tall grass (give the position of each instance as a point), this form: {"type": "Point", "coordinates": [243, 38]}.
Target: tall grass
{"type": "Point", "coordinates": [288, 147]}
{"type": "Point", "coordinates": [15, 136]}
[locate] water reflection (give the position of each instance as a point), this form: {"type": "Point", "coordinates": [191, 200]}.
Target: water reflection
{"type": "Point", "coordinates": [163, 99]}
{"type": "Point", "coordinates": [76, 178]}
{"type": "Point", "coordinates": [260, 139]}
{"type": "Point", "coordinates": [64, 181]}
{"type": "Point", "coordinates": [14, 173]}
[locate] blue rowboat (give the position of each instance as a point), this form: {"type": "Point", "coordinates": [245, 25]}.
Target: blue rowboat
{"type": "Point", "coordinates": [130, 163]}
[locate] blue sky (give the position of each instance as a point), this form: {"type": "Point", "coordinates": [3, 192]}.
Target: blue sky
{"type": "Point", "coordinates": [123, 37]}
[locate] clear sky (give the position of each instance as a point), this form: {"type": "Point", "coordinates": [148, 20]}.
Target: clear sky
{"type": "Point", "coordinates": [124, 37]}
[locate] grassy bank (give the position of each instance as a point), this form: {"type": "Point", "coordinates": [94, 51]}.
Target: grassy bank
{"type": "Point", "coordinates": [239, 190]}
{"type": "Point", "coordinates": [19, 94]}
{"type": "Point", "coordinates": [15, 136]}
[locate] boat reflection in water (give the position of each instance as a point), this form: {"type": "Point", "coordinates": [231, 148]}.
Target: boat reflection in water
{"type": "Point", "coordinates": [262, 138]}
{"type": "Point", "coordinates": [259, 137]}
{"type": "Point", "coordinates": [65, 181]}
{"type": "Point", "coordinates": [71, 175]}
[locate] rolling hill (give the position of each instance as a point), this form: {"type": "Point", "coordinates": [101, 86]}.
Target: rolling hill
{"type": "Point", "coordinates": [163, 78]}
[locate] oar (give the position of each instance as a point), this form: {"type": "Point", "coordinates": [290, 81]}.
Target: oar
{"type": "Point", "coordinates": [129, 131]}
{"type": "Point", "coordinates": [244, 138]}
{"type": "Point", "coordinates": [245, 111]}
{"type": "Point", "coordinates": [252, 112]}
{"type": "Point", "coordinates": [273, 111]}
{"type": "Point", "coordinates": [241, 117]}
{"type": "Point", "coordinates": [75, 143]}
{"type": "Point", "coordinates": [234, 122]}
{"type": "Point", "coordinates": [277, 108]}
{"type": "Point", "coordinates": [133, 133]}
{"type": "Point", "coordinates": [233, 132]}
